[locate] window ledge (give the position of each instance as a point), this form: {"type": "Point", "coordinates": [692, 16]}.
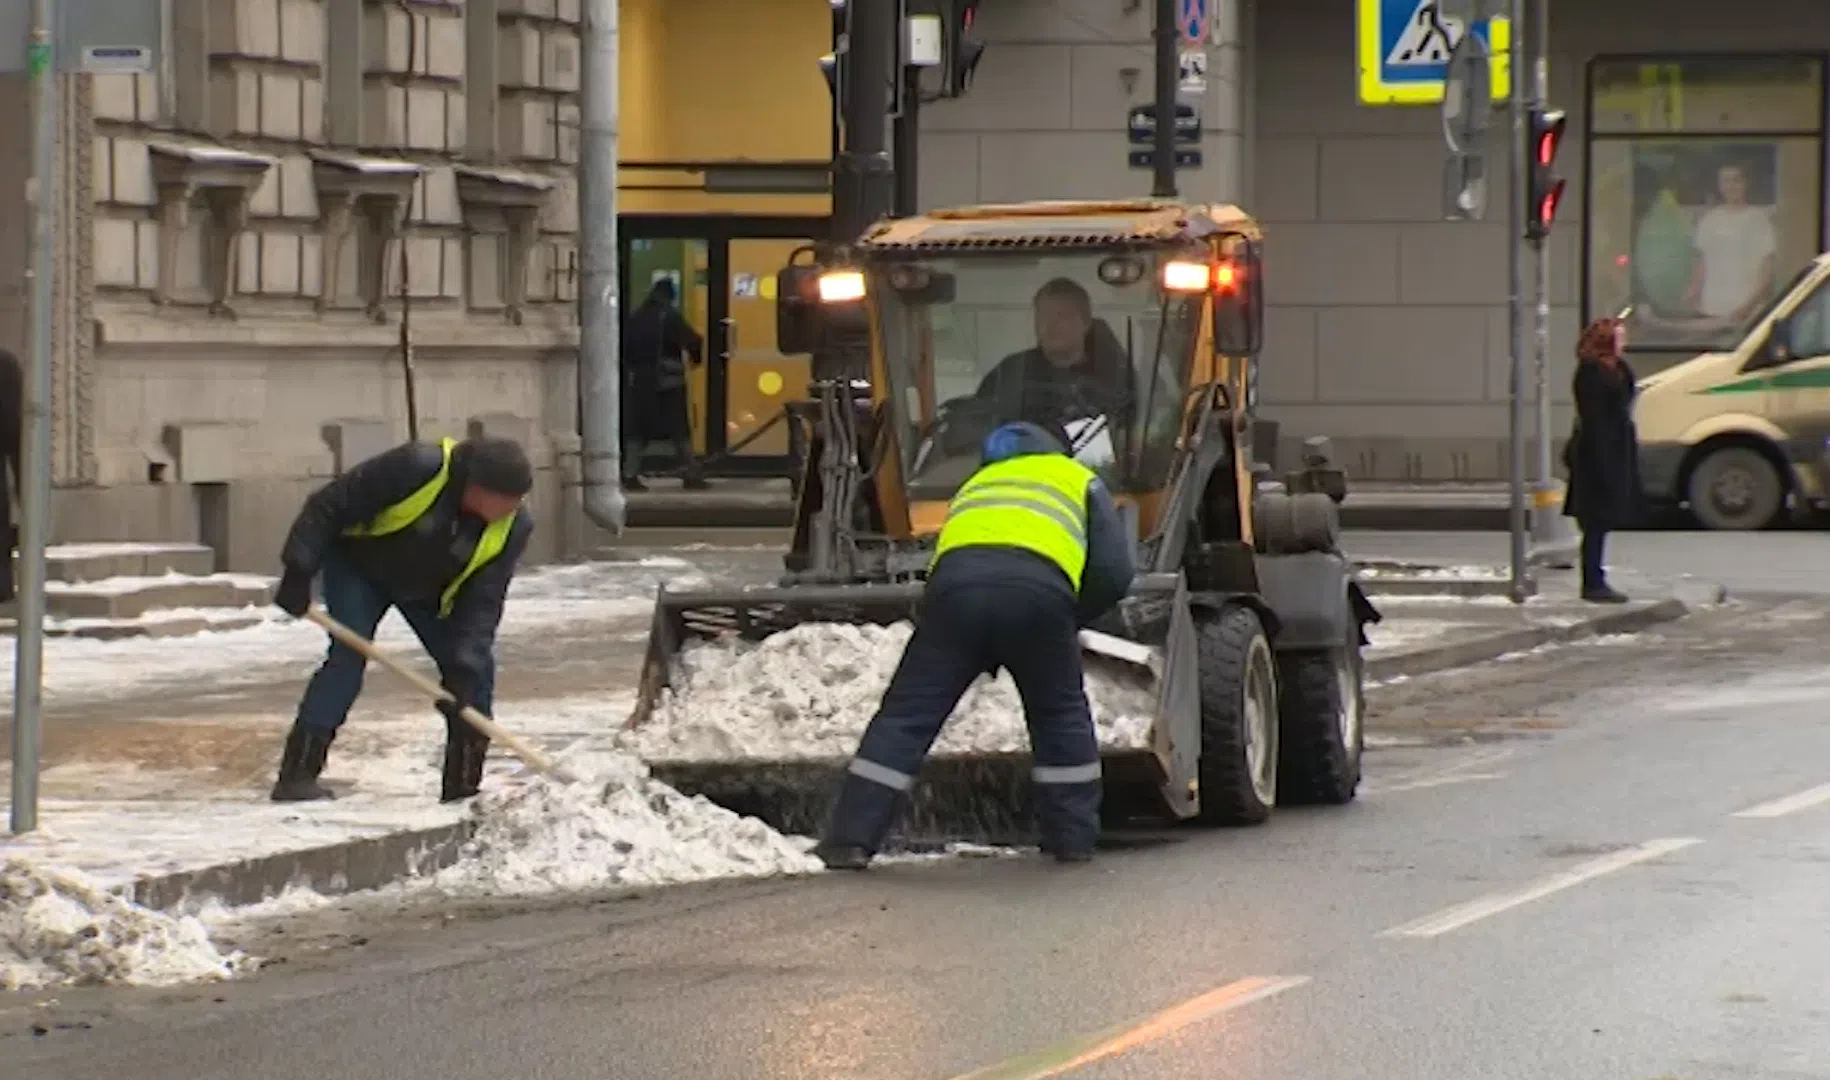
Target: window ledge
{"type": "Point", "coordinates": [220, 181]}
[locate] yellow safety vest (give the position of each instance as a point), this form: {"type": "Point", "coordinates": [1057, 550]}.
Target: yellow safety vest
{"type": "Point", "coordinates": [1037, 502]}
{"type": "Point", "coordinates": [413, 507]}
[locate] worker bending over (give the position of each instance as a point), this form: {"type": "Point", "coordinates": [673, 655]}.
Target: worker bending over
{"type": "Point", "coordinates": [1032, 550]}
{"type": "Point", "coordinates": [433, 530]}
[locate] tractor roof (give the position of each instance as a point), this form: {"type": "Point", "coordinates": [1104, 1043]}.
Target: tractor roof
{"type": "Point", "coordinates": [1018, 226]}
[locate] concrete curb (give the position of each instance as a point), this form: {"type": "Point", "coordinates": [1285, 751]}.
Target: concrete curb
{"type": "Point", "coordinates": [373, 862]}
{"type": "Point", "coordinates": [1430, 659]}
{"type": "Point", "coordinates": [345, 867]}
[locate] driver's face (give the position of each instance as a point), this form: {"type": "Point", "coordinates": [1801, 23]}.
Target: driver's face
{"type": "Point", "coordinates": [1061, 329]}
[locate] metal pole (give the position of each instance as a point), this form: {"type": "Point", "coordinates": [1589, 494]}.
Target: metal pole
{"type": "Point", "coordinates": [1163, 183]}
{"type": "Point", "coordinates": [907, 149]}
{"type": "Point", "coordinates": [863, 182]}
{"type": "Point", "coordinates": [599, 366]}
{"type": "Point", "coordinates": [1521, 583]}
{"type": "Point", "coordinates": [35, 470]}
{"type": "Point", "coordinates": [1550, 534]}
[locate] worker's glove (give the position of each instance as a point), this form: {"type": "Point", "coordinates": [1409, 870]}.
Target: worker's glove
{"type": "Point", "coordinates": [294, 593]}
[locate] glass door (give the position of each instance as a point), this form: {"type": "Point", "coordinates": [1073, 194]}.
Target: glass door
{"type": "Point", "coordinates": [725, 268]}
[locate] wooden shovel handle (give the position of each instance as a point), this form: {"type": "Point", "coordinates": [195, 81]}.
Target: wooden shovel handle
{"type": "Point", "coordinates": [535, 760]}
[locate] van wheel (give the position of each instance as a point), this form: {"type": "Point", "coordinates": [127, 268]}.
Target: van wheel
{"type": "Point", "coordinates": [1736, 489]}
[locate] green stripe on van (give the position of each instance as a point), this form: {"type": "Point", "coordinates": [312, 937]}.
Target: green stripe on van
{"type": "Point", "coordinates": [1807, 379]}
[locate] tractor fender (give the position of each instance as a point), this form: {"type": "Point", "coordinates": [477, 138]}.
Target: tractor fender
{"type": "Point", "coordinates": [1210, 604]}
{"type": "Point", "coordinates": [1317, 602]}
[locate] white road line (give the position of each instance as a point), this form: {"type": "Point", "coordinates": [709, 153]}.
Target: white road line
{"type": "Point", "coordinates": [1429, 782]}
{"type": "Point", "coordinates": [1454, 918]}
{"type": "Point", "coordinates": [1791, 804]}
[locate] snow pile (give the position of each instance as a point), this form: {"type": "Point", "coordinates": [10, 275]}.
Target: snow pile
{"type": "Point", "coordinates": [808, 692]}
{"type": "Point", "coordinates": [623, 827]}
{"type": "Point", "coordinates": [58, 928]}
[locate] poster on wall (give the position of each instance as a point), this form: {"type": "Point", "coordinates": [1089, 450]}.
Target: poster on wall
{"type": "Point", "coordinates": [1705, 233]}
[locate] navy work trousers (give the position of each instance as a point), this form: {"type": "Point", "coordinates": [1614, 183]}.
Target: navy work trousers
{"type": "Point", "coordinates": [966, 630]}
{"type": "Point", "coordinates": [360, 604]}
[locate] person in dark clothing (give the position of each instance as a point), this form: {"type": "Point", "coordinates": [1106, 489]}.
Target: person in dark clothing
{"type": "Point", "coordinates": [1033, 549]}
{"type": "Point", "coordinates": [1603, 451]}
{"type": "Point", "coordinates": [1077, 368]}
{"type": "Point", "coordinates": [435, 531]}
{"type": "Point", "coordinates": [12, 459]}
{"type": "Point", "coordinates": [657, 344]}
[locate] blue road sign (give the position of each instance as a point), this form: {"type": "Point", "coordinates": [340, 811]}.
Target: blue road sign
{"type": "Point", "coordinates": [1192, 21]}
{"type": "Point", "coordinates": [1404, 48]}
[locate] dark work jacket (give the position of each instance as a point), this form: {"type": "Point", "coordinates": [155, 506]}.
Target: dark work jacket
{"type": "Point", "coordinates": [418, 562]}
{"type": "Point", "coordinates": [1603, 452]}
{"type": "Point", "coordinates": [1103, 583]}
{"type": "Point", "coordinates": [1026, 386]}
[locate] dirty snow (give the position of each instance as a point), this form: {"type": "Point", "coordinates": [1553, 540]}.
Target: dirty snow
{"type": "Point", "coordinates": [622, 827]}
{"type": "Point", "coordinates": [808, 692]}
{"type": "Point", "coordinates": [1396, 634]}
{"type": "Point", "coordinates": [59, 928]}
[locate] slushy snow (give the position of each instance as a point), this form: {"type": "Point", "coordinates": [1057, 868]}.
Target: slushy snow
{"type": "Point", "coordinates": [57, 928]}
{"type": "Point", "coordinates": [622, 827]}
{"type": "Point", "coordinates": [809, 692]}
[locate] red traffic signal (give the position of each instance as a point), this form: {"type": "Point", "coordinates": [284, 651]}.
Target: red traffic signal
{"type": "Point", "coordinates": [1545, 188]}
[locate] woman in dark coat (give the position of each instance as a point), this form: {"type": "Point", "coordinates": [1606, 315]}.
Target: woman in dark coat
{"type": "Point", "coordinates": [1603, 451]}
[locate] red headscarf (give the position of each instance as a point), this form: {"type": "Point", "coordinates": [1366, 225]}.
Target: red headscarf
{"type": "Point", "coordinates": [1598, 340]}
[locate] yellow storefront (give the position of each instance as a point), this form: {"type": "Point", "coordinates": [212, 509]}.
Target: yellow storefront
{"type": "Point", "coordinates": [726, 146]}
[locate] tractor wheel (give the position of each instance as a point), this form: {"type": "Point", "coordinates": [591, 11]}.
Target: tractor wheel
{"type": "Point", "coordinates": [1321, 726]}
{"type": "Point", "coordinates": [1238, 770]}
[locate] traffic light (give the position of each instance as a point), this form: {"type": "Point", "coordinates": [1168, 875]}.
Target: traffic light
{"type": "Point", "coordinates": [1545, 189]}
{"type": "Point", "coordinates": [960, 51]}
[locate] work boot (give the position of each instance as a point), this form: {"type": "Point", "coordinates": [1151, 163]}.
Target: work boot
{"type": "Point", "coordinates": [1603, 594]}
{"type": "Point", "coordinates": [465, 753]}
{"type": "Point", "coordinates": [843, 856]}
{"type": "Point", "coordinates": [300, 763]}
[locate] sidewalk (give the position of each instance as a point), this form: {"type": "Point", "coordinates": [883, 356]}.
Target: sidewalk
{"type": "Point", "coordinates": [159, 754]}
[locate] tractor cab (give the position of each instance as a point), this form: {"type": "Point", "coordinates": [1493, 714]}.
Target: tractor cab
{"type": "Point", "coordinates": [1102, 324]}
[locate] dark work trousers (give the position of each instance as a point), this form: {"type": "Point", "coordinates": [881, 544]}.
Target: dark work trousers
{"type": "Point", "coordinates": [964, 631]}
{"type": "Point", "coordinates": [360, 604]}
{"type": "Point", "coordinates": [1594, 551]}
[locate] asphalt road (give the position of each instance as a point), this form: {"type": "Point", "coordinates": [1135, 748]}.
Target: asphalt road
{"type": "Point", "coordinates": [1548, 877]}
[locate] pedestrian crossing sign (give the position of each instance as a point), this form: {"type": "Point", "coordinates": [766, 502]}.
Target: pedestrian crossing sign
{"type": "Point", "coordinates": [1404, 48]}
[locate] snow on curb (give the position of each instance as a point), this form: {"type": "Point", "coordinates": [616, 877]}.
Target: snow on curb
{"type": "Point", "coordinates": [808, 692]}
{"type": "Point", "coordinates": [58, 928]}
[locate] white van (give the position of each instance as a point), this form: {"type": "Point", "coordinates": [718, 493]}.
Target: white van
{"type": "Point", "coordinates": [1740, 435]}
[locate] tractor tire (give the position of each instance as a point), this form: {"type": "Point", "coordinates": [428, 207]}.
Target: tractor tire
{"type": "Point", "coordinates": [1735, 489]}
{"type": "Point", "coordinates": [1321, 726]}
{"type": "Point", "coordinates": [1238, 681]}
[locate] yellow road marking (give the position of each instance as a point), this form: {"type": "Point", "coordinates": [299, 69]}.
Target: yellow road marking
{"type": "Point", "coordinates": [1086, 1050]}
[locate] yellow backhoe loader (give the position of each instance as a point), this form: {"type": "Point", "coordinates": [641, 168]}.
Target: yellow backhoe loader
{"type": "Point", "coordinates": [1246, 618]}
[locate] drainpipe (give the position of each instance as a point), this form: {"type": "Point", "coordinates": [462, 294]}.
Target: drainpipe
{"type": "Point", "coordinates": [599, 367]}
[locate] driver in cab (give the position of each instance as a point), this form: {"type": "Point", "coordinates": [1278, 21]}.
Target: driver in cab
{"type": "Point", "coordinates": [1077, 368]}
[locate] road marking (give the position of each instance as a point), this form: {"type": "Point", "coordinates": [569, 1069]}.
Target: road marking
{"type": "Point", "coordinates": [1430, 782]}
{"type": "Point", "coordinates": [1454, 918]}
{"type": "Point", "coordinates": [1086, 1050]}
{"type": "Point", "coordinates": [1791, 804]}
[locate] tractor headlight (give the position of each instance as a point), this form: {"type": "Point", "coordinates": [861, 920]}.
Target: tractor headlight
{"type": "Point", "coordinates": [841, 286]}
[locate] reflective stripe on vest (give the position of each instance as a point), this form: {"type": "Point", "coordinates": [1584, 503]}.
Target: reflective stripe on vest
{"type": "Point", "coordinates": [415, 506]}
{"type": "Point", "coordinates": [1037, 502]}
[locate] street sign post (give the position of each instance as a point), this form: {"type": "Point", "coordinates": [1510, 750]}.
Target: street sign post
{"type": "Point", "coordinates": [1404, 46]}
{"type": "Point", "coordinates": [1191, 76]}
{"type": "Point", "coordinates": [98, 37]}
{"type": "Point", "coordinates": [1193, 19]}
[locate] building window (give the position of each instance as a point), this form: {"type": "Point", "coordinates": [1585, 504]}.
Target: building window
{"type": "Point", "coordinates": [1705, 191]}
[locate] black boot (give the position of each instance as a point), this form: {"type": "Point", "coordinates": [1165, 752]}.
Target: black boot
{"type": "Point", "coordinates": [466, 749]}
{"type": "Point", "coordinates": [300, 764]}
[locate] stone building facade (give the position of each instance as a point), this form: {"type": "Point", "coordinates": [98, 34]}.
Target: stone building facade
{"type": "Point", "coordinates": [245, 230]}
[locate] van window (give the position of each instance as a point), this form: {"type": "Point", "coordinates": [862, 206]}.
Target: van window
{"type": "Point", "coordinates": [1811, 326]}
